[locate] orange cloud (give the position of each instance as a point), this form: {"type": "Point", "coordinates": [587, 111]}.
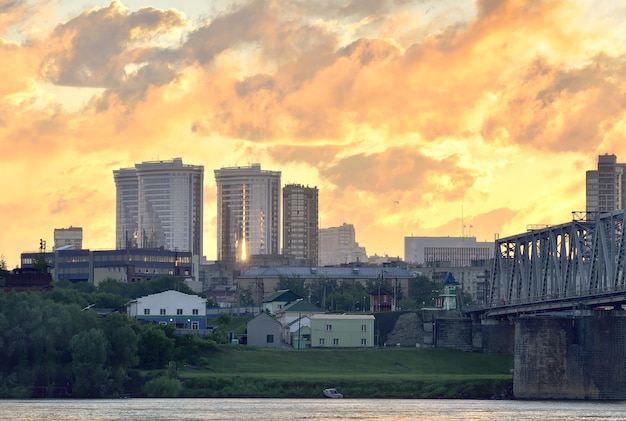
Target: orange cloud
{"type": "Point", "coordinates": [406, 115]}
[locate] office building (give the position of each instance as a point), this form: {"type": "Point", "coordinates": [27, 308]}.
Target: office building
{"type": "Point", "coordinates": [159, 205]}
{"type": "Point", "coordinates": [71, 238]}
{"type": "Point", "coordinates": [128, 265]}
{"type": "Point", "coordinates": [338, 246]}
{"type": "Point", "coordinates": [300, 223]}
{"type": "Point", "coordinates": [606, 186]}
{"type": "Point", "coordinates": [448, 251]}
{"type": "Point", "coordinates": [248, 212]}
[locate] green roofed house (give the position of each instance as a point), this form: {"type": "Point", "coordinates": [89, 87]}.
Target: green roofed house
{"type": "Point", "coordinates": [294, 318]}
{"type": "Point", "coordinates": [342, 330]}
{"type": "Point", "coordinates": [278, 300]}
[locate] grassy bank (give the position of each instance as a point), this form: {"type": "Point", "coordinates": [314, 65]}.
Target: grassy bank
{"type": "Point", "coordinates": [237, 371]}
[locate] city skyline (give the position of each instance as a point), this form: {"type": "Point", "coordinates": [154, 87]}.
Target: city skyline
{"type": "Point", "coordinates": [413, 118]}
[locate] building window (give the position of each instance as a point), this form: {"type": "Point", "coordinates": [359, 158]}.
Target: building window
{"type": "Point", "coordinates": [194, 311]}
{"type": "Point", "coordinates": [336, 341]}
{"type": "Point", "coordinates": [146, 311]}
{"type": "Point", "coordinates": [269, 339]}
{"type": "Point", "coordinates": [363, 328]}
{"type": "Point", "coordinates": [364, 342]}
{"type": "Point", "coordinates": [179, 311]}
{"type": "Point", "coordinates": [321, 341]}
{"type": "Point", "coordinates": [195, 325]}
{"type": "Point", "coordinates": [329, 328]}
{"type": "Point", "coordinates": [162, 311]}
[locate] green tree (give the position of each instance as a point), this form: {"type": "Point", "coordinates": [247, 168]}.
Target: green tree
{"type": "Point", "coordinates": [122, 352]}
{"type": "Point", "coordinates": [91, 377]}
{"type": "Point", "coordinates": [245, 297]}
{"type": "Point", "coordinates": [41, 263]}
{"type": "Point", "coordinates": [4, 272]}
{"type": "Point", "coordinates": [154, 349]}
{"type": "Point", "coordinates": [423, 291]}
{"type": "Point", "coordinates": [293, 284]}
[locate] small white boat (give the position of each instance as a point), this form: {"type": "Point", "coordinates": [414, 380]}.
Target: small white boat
{"type": "Point", "coordinates": [332, 393]}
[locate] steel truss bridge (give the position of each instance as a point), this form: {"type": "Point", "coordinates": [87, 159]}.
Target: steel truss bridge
{"type": "Point", "coordinates": [579, 264]}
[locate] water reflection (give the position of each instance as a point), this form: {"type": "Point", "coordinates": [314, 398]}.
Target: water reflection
{"type": "Point", "coordinates": [307, 409]}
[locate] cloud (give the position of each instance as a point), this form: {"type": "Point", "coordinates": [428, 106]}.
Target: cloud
{"type": "Point", "coordinates": [95, 48]}
{"type": "Point", "coordinates": [487, 106]}
{"type": "Point", "coordinates": [12, 12]}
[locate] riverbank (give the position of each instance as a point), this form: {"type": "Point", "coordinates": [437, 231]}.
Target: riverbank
{"type": "Point", "coordinates": [238, 371]}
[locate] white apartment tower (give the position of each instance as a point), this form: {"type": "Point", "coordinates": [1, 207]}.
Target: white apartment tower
{"type": "Point", "coordinates": [159, 204]}
{"type": "Point", "coordinates": [606, 186]}
{"type": "Point", "coordinates": [248, 212]}
{"type": "Point", "coordinates": [300, 222]}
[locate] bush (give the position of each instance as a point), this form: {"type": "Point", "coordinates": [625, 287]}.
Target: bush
{"type": "Point", "coordinates": [163, 387]}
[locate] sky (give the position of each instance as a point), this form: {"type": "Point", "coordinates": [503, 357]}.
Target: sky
{"type": "Point", "coordinates": [412, 118]}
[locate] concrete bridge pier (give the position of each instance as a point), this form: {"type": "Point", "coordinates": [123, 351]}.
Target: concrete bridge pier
{"type": "Point", "coordinates": [579, 357]}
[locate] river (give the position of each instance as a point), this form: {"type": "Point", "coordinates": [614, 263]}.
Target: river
{"type": "Point", "coordinates": [309, 409]}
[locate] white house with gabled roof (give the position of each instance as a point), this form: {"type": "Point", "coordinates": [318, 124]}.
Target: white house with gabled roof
{"type": "Point", "coordinates": [170, 307]}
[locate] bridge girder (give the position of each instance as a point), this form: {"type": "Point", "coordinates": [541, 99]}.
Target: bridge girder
{"type": "Point", "coordinates": [579, 259]}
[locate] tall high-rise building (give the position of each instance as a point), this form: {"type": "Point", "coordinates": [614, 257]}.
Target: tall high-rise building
{"type": "Point", "coordinates": [300, 222]}
{"type": "Point", "coordinates": [126, 208]}
{"type": "Point", "coordinates": [159, 204]}
{"type": "Point", "coordinates": [248, 212]}
{"type": "Point", "coordinates": [606, 186]}
{"type": "Point", "coordinates": [338, 246]}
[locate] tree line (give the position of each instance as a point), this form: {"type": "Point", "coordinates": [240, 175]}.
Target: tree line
{"type": "Point", "coordinates": [53, 344]}
{"type": "Point", "coordinates": [334, 296]}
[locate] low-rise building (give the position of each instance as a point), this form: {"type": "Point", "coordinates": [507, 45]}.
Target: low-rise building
{"type": "Point", "coordinates": [184, 311]}
{"type": "Point", "coordinates": [294, 318]}
{"type": "Point", "coordinates": [264, 331]}
{"type": "Point", "coordinates": [278, 300]}
{"type": "Point", "coordinates": [342, 331]}
{"type": "Point", "coordinates": [26, 280]}
{"type": "Point", "coordinates": [298, 333]}
{"type": "Point", "coordinates": [129, 265]}
{"type": "Point", "coordinates": [261, 283]}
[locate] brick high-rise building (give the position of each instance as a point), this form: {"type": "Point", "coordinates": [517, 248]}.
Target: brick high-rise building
{"type": "Point", "coordinates": [301, 223]}
{"type": "Point", "coordinates": [606, 186]}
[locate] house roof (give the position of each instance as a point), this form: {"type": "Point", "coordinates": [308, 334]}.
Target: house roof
{"type": "Point", "coordinates": [329, 272]}
{"type": "Point", "coordinates": [301, 305]}
{"type": "Point", "coordinates": [450, 280]}
{"type": "Point", "coordinates": [168, 292]}
{"type": "Point", "coordinates": [343, 316]}
{"type": "Point", "coordinates": [299, 321]}
{"type": "Point", "coordinates": [262, 315]}
{"type": "Point", "coordinates": [282, 295]}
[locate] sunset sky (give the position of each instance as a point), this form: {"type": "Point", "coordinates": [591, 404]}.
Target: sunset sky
{"type": "Point", "coordinates": [411, 117]}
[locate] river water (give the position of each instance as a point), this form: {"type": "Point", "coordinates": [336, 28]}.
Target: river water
{"type": "Point", "coordinates": [309, 409]}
